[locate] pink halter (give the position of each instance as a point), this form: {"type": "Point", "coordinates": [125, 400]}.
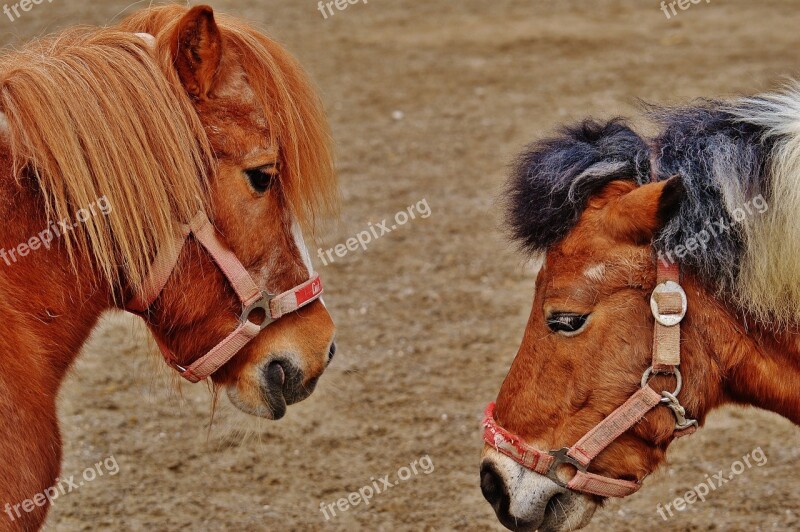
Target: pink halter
{"type": "Point", "coordinates": [668, 304]}
{"type": "Point", "coordinates": [251, 296]}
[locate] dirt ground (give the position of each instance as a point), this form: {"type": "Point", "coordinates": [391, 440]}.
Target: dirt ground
{"type": "Point", "coordinates": [429, 100]}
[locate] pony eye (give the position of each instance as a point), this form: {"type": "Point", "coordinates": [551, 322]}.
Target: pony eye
{"type": "Point", "coordinates": [567, 324]}
{"type": "Point", "coordinates": [261, 178]}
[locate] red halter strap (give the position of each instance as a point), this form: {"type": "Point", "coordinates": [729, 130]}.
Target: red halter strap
{"type": "Point", "coordinates": [250, 295]}
{"type": "Point", "coordinates": [668, 303]}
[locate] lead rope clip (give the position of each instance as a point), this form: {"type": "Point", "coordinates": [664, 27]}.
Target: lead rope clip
{"type": "Point", "coordinates": [681, 421]}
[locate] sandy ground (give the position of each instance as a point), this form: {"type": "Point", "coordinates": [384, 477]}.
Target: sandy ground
{"type": "Point", "coordinates": [429, 100]}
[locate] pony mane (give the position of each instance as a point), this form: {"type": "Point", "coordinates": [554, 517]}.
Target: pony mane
{"type": "Point", "coordinates": [553, 179]}
{"type": "Point", "coordinates": [732, 157]}
{"type": "Point", "coordinates": [90, 115]}
{"type": "Point", "coordinates": [294, 112]}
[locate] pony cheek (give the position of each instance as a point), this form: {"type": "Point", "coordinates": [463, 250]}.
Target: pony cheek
{"type": "Point", "coordinates": [629, 460]}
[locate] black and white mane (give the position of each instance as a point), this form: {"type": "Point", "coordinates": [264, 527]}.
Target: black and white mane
{"type": "Point", "coordinates": [740, 166]}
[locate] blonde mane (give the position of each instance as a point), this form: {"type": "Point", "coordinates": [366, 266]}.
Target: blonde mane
{"type": "Point", "coordinates": [93, 112]}
{"type": "Point", "coordinates": [90, 115]}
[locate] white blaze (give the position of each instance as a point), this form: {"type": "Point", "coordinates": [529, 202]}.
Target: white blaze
{"type": "Point", "coordinates": [297, 233]}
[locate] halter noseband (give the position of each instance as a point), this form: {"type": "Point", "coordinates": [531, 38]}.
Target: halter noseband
{"type": "Point", "coordinates": [250, 295]}
{"type": "Point", "coordinates": [668, 304]}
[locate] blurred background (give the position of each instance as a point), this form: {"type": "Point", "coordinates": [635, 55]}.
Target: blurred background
{"type": "Point", "coordinates": [429, 101]}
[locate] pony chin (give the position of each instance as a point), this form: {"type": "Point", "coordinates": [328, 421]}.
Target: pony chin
{"type": "Point", "coordinates": [534, 502]}
{"type": "Point", "coordinates": [246, 398]}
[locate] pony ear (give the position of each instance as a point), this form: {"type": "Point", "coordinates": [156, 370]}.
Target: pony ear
{"type": "Point", "coordinates": [197, 50]}
{"type": "Point", "coordinates": [640, 213]}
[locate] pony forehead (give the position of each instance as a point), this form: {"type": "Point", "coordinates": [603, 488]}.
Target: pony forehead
{"type": "Point", "coordinates": [262, 73]}
{"type": "Point", "coordinates": [595, 272]}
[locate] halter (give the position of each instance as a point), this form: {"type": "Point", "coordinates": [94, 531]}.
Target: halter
{"type": "Point", "coordinates": [668, 303]}
{"type": "Point", "coordinates": [250, 295]}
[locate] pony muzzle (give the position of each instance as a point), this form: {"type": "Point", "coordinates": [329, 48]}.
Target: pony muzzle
{"type": "Point", "coordinates": [524, 500]}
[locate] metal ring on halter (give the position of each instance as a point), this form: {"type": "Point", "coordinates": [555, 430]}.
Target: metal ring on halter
{"type": "Point", "coordinates": [263, 304]}
{"type": "Point", "coordinates": [649, 372]}
{"type": "Point", "coordinates": [561, 457]}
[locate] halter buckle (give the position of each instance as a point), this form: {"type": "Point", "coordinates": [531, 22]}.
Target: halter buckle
{"type": "Point", "coordinates": [560, 457]}
{"type": "Point", "coordinates": [262, 303]}
{"type": "Point", "coordinates": [672, 318]}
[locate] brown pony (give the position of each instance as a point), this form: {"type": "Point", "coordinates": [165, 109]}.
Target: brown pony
{"type": "Point", "coordinates": [718, 193]}
{"type": "Point", "coordinates": [110, 140]}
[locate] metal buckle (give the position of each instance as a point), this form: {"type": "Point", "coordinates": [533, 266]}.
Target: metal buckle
{"type": "Point", "coordinates": [561, 458]}
{"type": "Point", "coordinates": [668, 320]}
{"type": "Point", "coordinates": [261, 303]}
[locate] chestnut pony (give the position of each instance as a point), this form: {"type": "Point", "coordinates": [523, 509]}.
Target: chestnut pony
{"type": "Point", "coordinates": [171, 113]}
{"type": "Point", "coordinates": [717, 193]}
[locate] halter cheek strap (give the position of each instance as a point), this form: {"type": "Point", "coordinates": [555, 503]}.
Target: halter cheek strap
{"type": "Point", "coordinates": [668, 304]}
{"type": "Point", "coordinates": [248, 292]}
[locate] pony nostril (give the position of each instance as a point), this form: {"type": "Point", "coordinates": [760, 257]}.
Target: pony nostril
{"type": "Point", "coordinates": [284, 383]}
{"type": "Point", "coordinates": [493, 488]}
{"type": "Point", "coordinates": [332, 351]}
{"type": "Point", "coordinates": [276, 375]}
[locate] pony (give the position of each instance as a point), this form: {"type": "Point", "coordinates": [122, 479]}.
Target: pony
{"type": "Point", "coordinates": [714, 192]}
{"type": "Point", "coordinates": [111, 141]}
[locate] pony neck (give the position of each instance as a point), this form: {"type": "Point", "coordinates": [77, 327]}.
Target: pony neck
{"type": "Point", "coordinates": [741, 362]}
{"type": "Point", "coordinates": [49, 305]}
{"type": "Point", "coordinates": [47, 311]}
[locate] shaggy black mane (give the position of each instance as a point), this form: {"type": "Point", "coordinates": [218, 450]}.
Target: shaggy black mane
{"type": "Point", "coordinates": [706, 145]}
{"type": "Point", "coordinates": [555, 177]}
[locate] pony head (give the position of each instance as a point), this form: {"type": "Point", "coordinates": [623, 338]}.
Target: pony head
{"type": "Point", "coordinates": [271, 175]}
{"type": "Point", "coordinates": [585, 201]}
{"type": "Point", "coordinates": [173, 112]}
